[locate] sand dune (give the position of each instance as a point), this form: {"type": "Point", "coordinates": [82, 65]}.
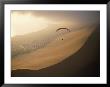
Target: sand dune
{"type": "Point", "coordinates": [54, 52]}
{"type": "Point", "coordinates": [84, 63]}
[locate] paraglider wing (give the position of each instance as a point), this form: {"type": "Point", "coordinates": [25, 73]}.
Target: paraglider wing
{"type": "Point", "coordinates": [63, 28]}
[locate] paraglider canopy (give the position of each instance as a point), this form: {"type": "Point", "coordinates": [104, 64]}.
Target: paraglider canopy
{"type": "Point", "coordinates": [63, 28]}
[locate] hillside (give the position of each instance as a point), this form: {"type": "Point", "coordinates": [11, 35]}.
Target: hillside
{"type": "Point", "coordinates": [85, 62]}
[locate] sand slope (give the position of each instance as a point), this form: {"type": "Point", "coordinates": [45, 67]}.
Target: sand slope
{"type": "Point", "coordinates": [54, 52]}
{"type": "Point", "coordinates": [84, 63]}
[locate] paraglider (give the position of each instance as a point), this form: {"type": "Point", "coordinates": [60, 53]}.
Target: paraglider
{"type": "Point", "coordinates": [59, 29]}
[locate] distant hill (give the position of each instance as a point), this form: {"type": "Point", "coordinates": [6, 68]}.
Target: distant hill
{"type": "Point", "coordinates": [85, 62]}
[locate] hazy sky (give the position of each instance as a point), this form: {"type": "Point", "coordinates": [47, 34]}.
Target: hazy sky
{"type": "Point", "coordinates": [23, 22]}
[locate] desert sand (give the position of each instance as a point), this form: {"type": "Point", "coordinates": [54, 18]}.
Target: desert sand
{"type": "Point", "coordinates": [54, 52]}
